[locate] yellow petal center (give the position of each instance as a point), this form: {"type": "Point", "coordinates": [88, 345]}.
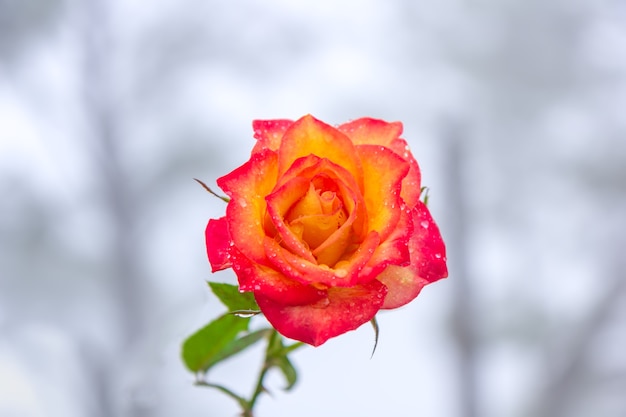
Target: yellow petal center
{"type": "Point", "coordinates": [316, 216]}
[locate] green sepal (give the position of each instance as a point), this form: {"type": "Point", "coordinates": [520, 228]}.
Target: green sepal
{"type": "Point", "coordinates": [206, 187]}
{"type": "Point", "coordinates": [201, 349]}
{"type": "Point", "coordinates": [234, 300]}
{"type": "Point", "coordinates": [376, 331]}
{"type": "Point", "coordinates": [424, 191]}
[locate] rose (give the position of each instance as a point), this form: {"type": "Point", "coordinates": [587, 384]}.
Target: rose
{"type": "Point", "coordinates": [325, 225]}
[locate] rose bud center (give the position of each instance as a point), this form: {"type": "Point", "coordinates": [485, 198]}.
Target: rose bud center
{"type": "Point", "coordinates": [316, 216]}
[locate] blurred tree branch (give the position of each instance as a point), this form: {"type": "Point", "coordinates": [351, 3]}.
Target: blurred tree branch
{"type": "Point", "coordinates": [463, 311]}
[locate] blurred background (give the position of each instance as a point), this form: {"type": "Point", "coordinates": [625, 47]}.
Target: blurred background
{"type": "Point", "coordinates": [514, 109]}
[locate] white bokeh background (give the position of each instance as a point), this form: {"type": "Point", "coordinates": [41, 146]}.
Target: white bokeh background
{"type": "Point", "coordinates": [514, 110]}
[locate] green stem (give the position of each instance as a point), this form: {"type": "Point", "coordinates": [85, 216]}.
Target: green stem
{"type": "Point", "coordinates": [274, 346]}
{"type": "Point", "coordinates": [242, 402]}
{"type": "Point", "coordinates": [259, 388]}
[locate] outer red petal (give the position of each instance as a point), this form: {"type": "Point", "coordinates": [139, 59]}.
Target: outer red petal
{"type": "Point", "coordinates": [247, 186]}
{"type": "Point", "coordinates": [271, 283]}
{"type": "Point", "coordinates": [310, 136]}
{"type": "Point", "coordinates": [269, 133]}
{"type": "Point", "coordinates": [428, 261]}
{"type": "Point", "coordinates": [368, 131]}
{"type": "Point", "coordinates": [218, 243]}
{"type": "Point", "coordinates": [430, 251]}
{"type": "Point", "coordinates": [343, 310]}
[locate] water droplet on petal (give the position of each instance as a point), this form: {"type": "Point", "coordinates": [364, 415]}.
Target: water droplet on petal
{"type": "Point", "coordinates": [424, 224]}
{"type": "Point", "coordinates": [341, 273]}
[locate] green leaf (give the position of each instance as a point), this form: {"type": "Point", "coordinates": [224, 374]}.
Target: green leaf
{"type": "Point", "coordinates": [234, 300]}
{"type": "Point", "coordinates": [237, 346]}
{"type": "Point", "coordinates": [200, 349]}
{"type": "Point", "coordinates": [286, 367]}
{"type": "Point", "coordinates": [290, 348]}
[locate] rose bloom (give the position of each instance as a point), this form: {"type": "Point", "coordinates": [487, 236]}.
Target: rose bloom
{"type": "Point", "coordinates": [325, 225]}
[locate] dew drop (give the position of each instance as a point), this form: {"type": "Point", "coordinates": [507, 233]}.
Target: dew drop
{"type": "Point", "coordinates": [424, 224]}
{"type": "Point", "coordinates": [243, 203]}
{"type": "Point", "coordinates": [438, 255]}
{"type": "Point", "coordinates": [244, 314]}
{"type": "Point", "coordinates": [341, 273]}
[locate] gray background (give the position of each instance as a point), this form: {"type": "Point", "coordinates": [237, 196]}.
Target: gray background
{"type": "Point", "coordinates": [513, 108]}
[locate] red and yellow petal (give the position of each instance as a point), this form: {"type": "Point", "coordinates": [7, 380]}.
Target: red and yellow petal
{"type": "Point", "coordinates": [309, 136]}
{"type": "Point", "coordinates": [383, 171]}
{"type": "Point", "coordinates": [403, 285]}
{"type": "Point", "coordinates": [348, 188]}
{"type": "Point", "coordinates": [274, 285]}
{"type": "Point", "coordinates": [392, 251]}
{"type": "Point", "coordinates": [278, 204]}
{"type": "Point", "coordinates": [428, 261]}
{"type": "Point", "coordinates": [269, 133]}
{"type": "Point", "coordinates": [343, 309]}
{"type": "Point", "coordinates": [411, 184]}
{"type": "Point", "coordinates": [345, 273]}
{"type": "Point", "coordinates": [218, 244]}
{"type": "Point", "coordinates": [247, 186]}
{"type": "Point", "coordinates": [368, 131]}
